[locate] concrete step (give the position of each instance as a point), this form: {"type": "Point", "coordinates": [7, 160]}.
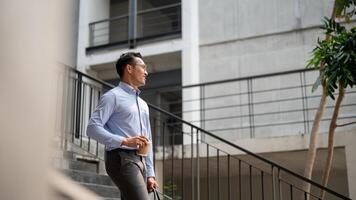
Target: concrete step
{"type": "Point", "coordinates": [88, 177]}
{"type": "Point", "coordinates": [83, 169]}
{"type": "Point", "coordinates": [83, 150]}
{"type": "Point", "coordinates": [76, 155]}
{"type": "Point", "coordinates": [103, 190]}
{"type": "Point", "coordinates": [69, 155]}
{"type": "Point", "coordinates": [80, 165]}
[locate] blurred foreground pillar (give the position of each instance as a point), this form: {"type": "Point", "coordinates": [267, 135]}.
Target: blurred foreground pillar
{"type": "Point", "coordinates": [32, 52]}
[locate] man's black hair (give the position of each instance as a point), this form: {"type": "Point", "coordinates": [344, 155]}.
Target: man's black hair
{"type": "Point", "coordinates": [126, 58]}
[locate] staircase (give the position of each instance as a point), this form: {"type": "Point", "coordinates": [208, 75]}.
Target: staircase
{"type": "Point", "coordinates": [84, 170]}
{"type": "Point", "coordinates": [204, 166]}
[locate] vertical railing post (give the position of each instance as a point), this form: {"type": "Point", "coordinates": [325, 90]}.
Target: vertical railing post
{"type": "Point", "coordinates": [154, 140]}
{"type": "Point", "coordinates": [158, 118]}
{"type": "Point", "coordinates": [198, 165]}
{"type": "Point", "coordinates": [90, 110]}
{"type": "Point", "coordinates": [192, 160]}
{"type": "Point", "coordinates": [79, 104]}
{"type": "Point", "coordinates": [240, 181]}
{"type": "Point", "coordinates": [218, 170]}
{"type": "Point", "coordinates": [202, 107]}
{"type": "Point", "coordinates": [82, 124]}
{"type": "Point", "coordinates": [279, 184]}
{"type": "Point", "coordinates": [228, 178]}
{"type": "Point", "coordinates": [250, 108]}
{"type": "Point", "coordinates": [207, 171]}
{"type": "Point", "coordinates": [250, 174]}
{"type": "Point", "coordinates": [74, 108]}
{"type": "Point", "coordinates": [273, 184]}
{"type": "Point", "coordinates": [306, 101]}
{"type": "Point", "coordinates": [303, 103]}
{"type": "Point", "coordinates": [172, 159]}
{"type": "Point", "coordinates": [164, 152]}
{"type": "Point", "coordinates": [291, 192]}
{"type": "Point", "coordinates": [182, 177]}
{"type": "Point", "coordinates": [97, 143]}
{"type": "Point", "coordinates": [262, 186]}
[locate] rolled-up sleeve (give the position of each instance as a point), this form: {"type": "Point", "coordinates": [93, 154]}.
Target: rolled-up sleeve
{"type": "Point", "coordinates": [98, 119]}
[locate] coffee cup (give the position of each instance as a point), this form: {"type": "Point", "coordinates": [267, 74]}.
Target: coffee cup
{"type": "Point", "coordinates": [143, 150]}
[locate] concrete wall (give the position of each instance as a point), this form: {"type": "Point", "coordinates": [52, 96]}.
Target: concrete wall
{"type": "Point", "coordinates": [257, 37]}
{"type": "Point", "coordinates": [253, 56]}
{"type": "Point", "coordinates": [253, 38]}
{"type": "Point", "coordinates": [239, 19]}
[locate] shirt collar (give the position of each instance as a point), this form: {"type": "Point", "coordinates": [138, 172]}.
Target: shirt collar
{"type": "Point", "coordinates": [128, 88]}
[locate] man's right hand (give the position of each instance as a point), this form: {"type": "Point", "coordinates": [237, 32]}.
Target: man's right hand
{"type": "Point", "coordinates": [135, 142]}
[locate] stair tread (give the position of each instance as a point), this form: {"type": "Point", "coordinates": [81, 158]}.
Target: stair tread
{"type": "Point", "coordinates": [100, 185]}
{"type": "Point", "coordinates": [103, 190]}
{"type": "Point", "coordinates": [83, 166]}
{"type": "Point", "coordinates": [88, 177]}
{"type": "Point", "coordinates": [84, 172]}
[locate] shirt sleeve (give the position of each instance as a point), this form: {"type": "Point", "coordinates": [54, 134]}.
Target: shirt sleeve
{"type": "Point", "coordinates": [149, 158]}
{"type": "Point", "coordinates": [98, 119]}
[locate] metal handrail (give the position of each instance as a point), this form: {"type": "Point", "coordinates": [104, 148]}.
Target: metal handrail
{"type": "Point", "coordinates": [159, 8]}
{"type": "Point", "coordinates": [94, 79]}
{"type": "Point", "coordinates": [249, 77]}
{"type": "Point", "coordinates": [177, 87]}
{"type": "Point", "coordinates": [273, 164]}
{"type": "Point", "coordinates": [109, 20]}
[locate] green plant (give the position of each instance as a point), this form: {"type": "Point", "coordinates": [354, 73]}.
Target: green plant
{"type": "Point", "coordinates": [345, 9]}
{"type": "Point", "coordinates": [338, 57]}
{"type": "Point", "coordinates": [335, 58]}
{"type": "Point", "coordinates": [169, 189]}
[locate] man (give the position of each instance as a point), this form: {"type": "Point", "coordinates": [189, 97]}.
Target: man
{"type": "Point", "coordinates": [121, 123]}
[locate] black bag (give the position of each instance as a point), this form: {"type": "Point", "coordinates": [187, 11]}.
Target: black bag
{"type": "Point", "coordinates": [154, 195]}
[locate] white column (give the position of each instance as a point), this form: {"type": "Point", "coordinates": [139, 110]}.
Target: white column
{"type": "Point", "coordinates": [190, 60]}
{"type": "Point", "coordinates": [83, 34]}
{"type": "Point", "coordinates": [89, 11]}
{"type": "Point", "coordinates": [350, 150]}
{"type": "Point", "coordinates": [190, 36]}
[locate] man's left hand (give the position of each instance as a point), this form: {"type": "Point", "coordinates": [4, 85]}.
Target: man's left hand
{"type": "Point", "coordinates": [151, 184]}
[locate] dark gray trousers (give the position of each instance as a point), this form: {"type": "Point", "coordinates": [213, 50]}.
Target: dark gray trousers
{"type": "Point", "coordinates": [128, 172]}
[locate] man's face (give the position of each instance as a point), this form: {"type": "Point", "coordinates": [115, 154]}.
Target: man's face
{"type": "Point", "coordinates": [139, 72]}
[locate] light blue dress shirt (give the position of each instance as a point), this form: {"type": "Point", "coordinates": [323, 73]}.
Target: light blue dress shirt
{"type": "Point", "coordinates": [120, 114]}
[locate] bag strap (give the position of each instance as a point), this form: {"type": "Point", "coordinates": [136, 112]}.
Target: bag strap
{"type": "Point", "coordinates": [156, 195]}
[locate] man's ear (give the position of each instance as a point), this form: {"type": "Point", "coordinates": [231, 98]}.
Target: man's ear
{"type": "Point", "coordinates": [129, 68]}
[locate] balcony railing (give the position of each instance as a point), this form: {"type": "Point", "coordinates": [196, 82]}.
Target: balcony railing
{"type": "Point", "coordinates": [147, 25]}
{"type": "Point", "coordinates": [204, 166]}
